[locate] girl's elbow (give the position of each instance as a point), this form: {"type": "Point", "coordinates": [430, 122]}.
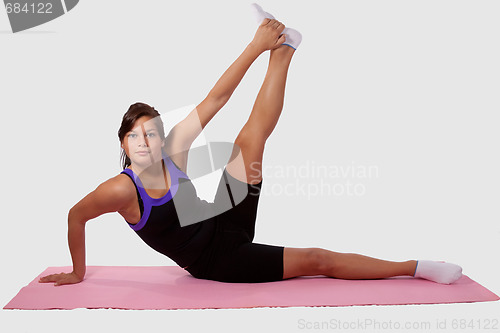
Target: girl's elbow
{"type": "Point", "coordinates": [74, 217]}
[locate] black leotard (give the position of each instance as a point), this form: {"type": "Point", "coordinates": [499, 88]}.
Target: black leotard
{"type": "Point", "coordinates": [219, 247]}
{"type": "Point", "coordinates": [159, 226]}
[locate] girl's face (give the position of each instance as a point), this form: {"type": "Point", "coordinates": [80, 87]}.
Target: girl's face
{"type": "Point", "coordinates": [143, 143]}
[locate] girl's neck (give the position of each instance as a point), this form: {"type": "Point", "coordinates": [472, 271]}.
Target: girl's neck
{"type": "Point", "coordinates": [154, 171]}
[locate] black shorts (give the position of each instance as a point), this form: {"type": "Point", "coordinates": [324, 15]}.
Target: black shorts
{"type": "Point", "coordinates": [232, 256]}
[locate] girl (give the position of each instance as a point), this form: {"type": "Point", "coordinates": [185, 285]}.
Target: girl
{"type": "Point", "coordinates": [215, 240]}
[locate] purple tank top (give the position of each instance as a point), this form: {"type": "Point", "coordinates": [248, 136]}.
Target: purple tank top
{"type": "Point", "coordinates": [159, 226]}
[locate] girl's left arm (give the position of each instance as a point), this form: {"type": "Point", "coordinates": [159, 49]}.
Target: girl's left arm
{"type": "Point", "coordinates": [180, 138]}
{"type": "Point", "coordinates": [183, 134]}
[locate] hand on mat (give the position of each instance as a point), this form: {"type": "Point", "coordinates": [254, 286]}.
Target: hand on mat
{"type": "Point", "coordinates": [61, 278]}
{"type": "Point", "coordinates": [268, 34]}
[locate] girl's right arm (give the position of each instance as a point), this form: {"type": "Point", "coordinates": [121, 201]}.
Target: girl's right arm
{"type": "Point", "coordinates": [111, 196]}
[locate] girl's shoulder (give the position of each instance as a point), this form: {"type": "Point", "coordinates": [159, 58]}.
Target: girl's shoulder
{"type": "Point", "coordinates": [114, 194]}
{"type": "Point", "coordinates": [122, 183]}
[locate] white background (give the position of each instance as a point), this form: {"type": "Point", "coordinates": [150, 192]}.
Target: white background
{"type": "Point", "coordinates": [410, 87]}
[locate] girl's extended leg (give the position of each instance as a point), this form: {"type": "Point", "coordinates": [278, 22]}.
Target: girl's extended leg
{"type": "Point", "coordinates": [246, 161]}
{"type": "Point", "coordinates": [316, 261]}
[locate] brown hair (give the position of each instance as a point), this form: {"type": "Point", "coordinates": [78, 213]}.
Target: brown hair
{"type": "Point", "coordinates": [136, 111]}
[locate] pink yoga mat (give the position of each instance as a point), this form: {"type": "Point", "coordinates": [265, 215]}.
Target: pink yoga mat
{"type": "Point", "coordinates": [171, 287]}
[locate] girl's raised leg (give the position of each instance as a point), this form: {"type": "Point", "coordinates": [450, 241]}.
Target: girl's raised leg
{"type": "Point", "coordinates": [246, 161]}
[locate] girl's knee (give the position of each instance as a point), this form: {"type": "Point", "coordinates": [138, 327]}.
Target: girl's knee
{"type": "Point", "coordinates": [321, 260]}
{"type": "Point", "coordinates": [250, 138]}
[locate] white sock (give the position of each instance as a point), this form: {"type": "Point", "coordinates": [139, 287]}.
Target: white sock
{"type": "Point", "coordinates": [260, 14]}
{"type": "Point", "coordinates": [440, 272]}
{"type": "Point", "coordinates": [293, 37]}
